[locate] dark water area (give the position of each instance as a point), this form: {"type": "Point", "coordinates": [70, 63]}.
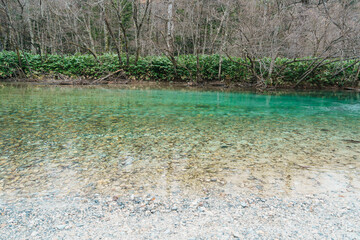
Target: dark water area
{"type": "Point", "coordinates": [113, 141]}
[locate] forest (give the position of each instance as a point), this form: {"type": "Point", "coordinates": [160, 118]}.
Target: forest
{"type": "Point", "coordinates": [258, 42]}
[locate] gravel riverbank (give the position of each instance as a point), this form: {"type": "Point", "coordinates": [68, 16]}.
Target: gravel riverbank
{"type": "Point", "coordinates": [211, 216]}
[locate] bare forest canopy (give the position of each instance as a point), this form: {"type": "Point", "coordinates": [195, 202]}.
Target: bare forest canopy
{"type": "Point", "coordinates": [247, 29]}
{"type": "Point", "coordinates": [265, 28]}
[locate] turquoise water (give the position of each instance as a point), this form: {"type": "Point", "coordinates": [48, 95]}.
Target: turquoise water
{"type": "Point", "coordinates": [85, 140]}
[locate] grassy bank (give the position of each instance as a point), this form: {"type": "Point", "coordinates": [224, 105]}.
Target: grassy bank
{"type": "Point", "coordinates": [284, 72]}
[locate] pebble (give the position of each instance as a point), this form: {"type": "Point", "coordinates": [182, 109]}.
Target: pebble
{"type": "Point", "coordinates": [243, 204]}
{"type": "Point", "coordinates": [228, 215]}
{"type": "Point", "coordinates": [61, 227]}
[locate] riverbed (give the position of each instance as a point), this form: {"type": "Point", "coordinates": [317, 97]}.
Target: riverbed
{"type": "Point", "coordinates": [177, 153]}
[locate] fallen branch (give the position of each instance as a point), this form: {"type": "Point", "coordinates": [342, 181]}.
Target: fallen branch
{"type": "Point", "coordinates": [109, 75]}
{"type": "Point", "coordinates": [310, 69]}
{"type": "Point", "coordinates": [320, 64]}
{"type": "Point", "coordinates": [284, 65]}
{"type": "Point", "coordinates": [344, 68]}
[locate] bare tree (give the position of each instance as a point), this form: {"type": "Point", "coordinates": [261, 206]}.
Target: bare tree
{"type": "Point", "coordinates": [140, 12]}
{"type": "Point", "coordinates": [260, 32]}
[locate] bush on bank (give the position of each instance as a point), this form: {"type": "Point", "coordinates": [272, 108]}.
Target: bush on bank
{"type": "Point", "coordinates": [160, 68]}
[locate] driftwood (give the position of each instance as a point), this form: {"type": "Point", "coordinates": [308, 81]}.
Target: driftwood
{"type": "Point", "coordinates": [64, 80]}
{"type": "Point", "coordinates": [110, 75]}
{"type": "Point", "coordinates": [218, 84]}
{"type": "Point", "coordinates": [352, 89]}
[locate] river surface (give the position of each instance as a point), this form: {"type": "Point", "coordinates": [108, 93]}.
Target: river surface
{"type": "Point", "coordinates": [113, 141]}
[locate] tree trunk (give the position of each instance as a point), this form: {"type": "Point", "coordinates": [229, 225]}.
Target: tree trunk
{"type": "Point", "coordinates": [170, 26]}
{"type": "Point", "coordinates": [31, 32]}
{"type": "Point", "coordinates": [118, 47]}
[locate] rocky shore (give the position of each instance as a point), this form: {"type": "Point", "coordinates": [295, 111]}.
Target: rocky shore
{"type": "Point", "coordinates": [211, 216]}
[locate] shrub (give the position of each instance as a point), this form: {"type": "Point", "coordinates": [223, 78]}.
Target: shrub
{"type": "Point", "coordinates": [160, 68]}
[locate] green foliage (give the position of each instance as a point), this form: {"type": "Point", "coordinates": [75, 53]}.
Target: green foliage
{"type": "Point", "coordinates": [160, 68]}
{"type": "Point", "coordinates": [8, 64]}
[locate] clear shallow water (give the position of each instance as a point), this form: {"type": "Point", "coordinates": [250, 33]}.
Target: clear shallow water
{"type": "Point", "coordinates": [66, 140]}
